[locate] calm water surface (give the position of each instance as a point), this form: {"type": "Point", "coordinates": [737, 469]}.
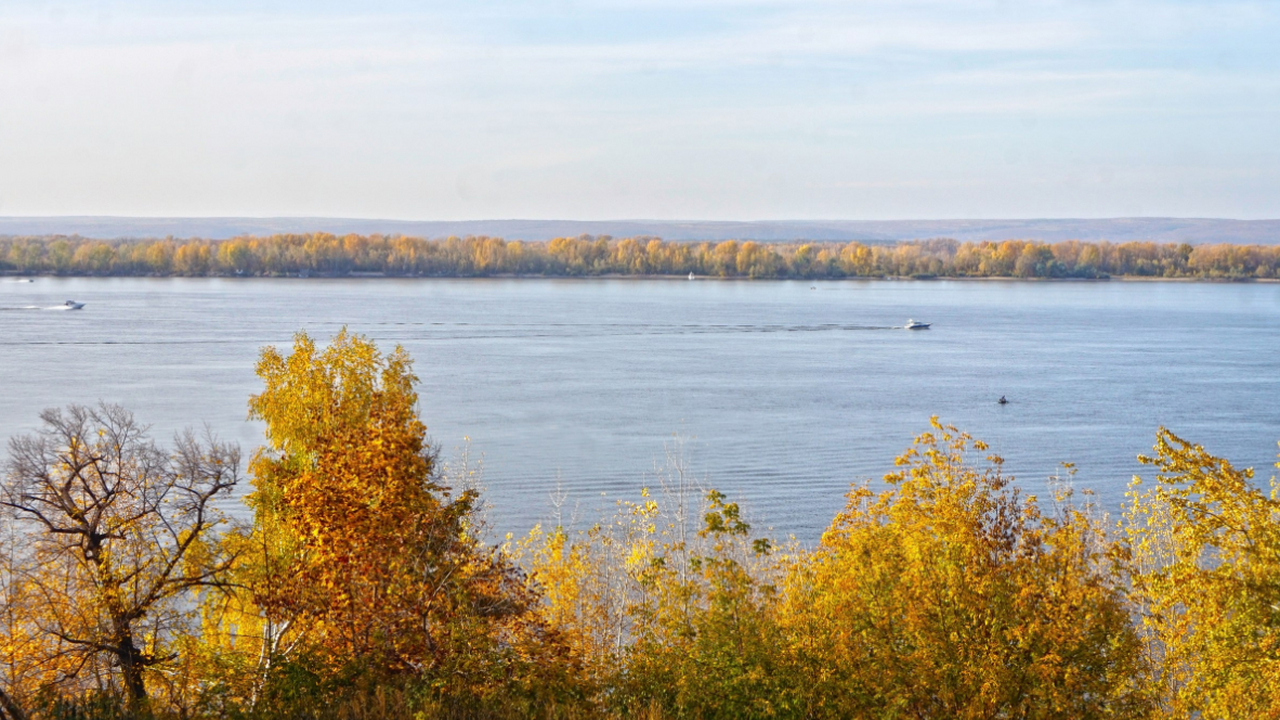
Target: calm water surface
{"type": "Point", "coordinates": [785, 391]}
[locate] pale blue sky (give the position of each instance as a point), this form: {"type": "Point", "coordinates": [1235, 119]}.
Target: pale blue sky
{"type": "Point", "coordinates": [597, 109]}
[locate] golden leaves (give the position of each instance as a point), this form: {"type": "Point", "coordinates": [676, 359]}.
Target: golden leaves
{"type": "Point", "coordinates": [366, 556]}
{"type": "Point", "coordinates": [117, 536]}
{"type": "Point", "coordinates": [322, 253]}
{"type": "Point", "coordinates": [942, 592]}
{"type": "Point", "coordinates": [1203, 552]}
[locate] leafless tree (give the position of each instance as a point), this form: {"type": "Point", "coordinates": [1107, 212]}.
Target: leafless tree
{"type": "Point", "coordinates": [117, 534]}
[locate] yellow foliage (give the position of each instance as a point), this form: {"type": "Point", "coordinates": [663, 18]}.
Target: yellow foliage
{"type": "Point", "coordinates": [1204, 545]}
{"type": "Point", "coordinates": [115, 535]}
{"type": "Point", "coordinates": [947, 595]}
{"type": "Point", "coordinates": [658, 611]}
{"type": "Point", "coordinates": [360, 559]}
{"type": "Point", "coordinates": [364, 586]}
{"type": "Point", "coordinates": [323, 253]}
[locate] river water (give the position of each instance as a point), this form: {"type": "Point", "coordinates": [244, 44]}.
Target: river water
{"type": "Point", "coordinates": [779, 393]}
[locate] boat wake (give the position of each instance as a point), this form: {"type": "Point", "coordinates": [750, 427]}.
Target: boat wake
{"type": "Point", "coordinates": [75, 306]}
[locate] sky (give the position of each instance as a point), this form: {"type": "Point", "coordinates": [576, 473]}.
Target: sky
{"type": "Point", "coordinates": [656, 109]}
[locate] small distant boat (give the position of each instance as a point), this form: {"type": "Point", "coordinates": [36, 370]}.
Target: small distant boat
{"type": "Point", "coordinates": [73, 305]}
{"type": "Point", "coordinates": [691, 277]}
{"type": "Point", "coordinates": [916, 325]}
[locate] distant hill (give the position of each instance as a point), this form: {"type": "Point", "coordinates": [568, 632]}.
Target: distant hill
{"type": "Point", "coordinates": [1190, 230]}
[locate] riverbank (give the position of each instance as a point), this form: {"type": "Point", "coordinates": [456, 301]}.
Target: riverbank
{"type": "Point", "coordinates": [373, 256]}
{"type": "Point", "coordinates": [17, 277]}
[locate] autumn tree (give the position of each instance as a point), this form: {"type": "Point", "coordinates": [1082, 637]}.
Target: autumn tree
{"type": "Point", "coordinates": [586, 255]}
{"type": "Point", "coordinates": [948, 595]}
{"type": "Point", "coordinates": [706, 640]}
{"type": "Point", "coordinates": [16, 661]}
{"type": "Point", "coordinates": [360, 556]}
{"type": "Point", "coordinates": [1204, 545]}
{"type": "Point", "coordinates": [116, 533]}
{"type": "Point", "coordinates": [668, 603]}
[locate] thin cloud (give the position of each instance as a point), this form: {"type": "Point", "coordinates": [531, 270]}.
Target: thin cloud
{"type": "Point", "coordinates": [719, 107]}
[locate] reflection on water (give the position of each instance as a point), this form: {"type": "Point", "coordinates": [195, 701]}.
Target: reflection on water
{"type": "Point", "coordinates": [786, 394]}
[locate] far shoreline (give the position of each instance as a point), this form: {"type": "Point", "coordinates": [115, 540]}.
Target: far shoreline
{"type": "Point", "coordinates": [14, 277]}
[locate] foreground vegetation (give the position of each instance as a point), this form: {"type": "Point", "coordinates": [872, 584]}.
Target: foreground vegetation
{"type": "Point", "coordinates": [363, 587]}
{"type": "Point", "coordinates": [329, 255]}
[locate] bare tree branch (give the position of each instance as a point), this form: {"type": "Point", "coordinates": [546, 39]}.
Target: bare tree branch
{"type": "Point", "coordinates": [119, 530]}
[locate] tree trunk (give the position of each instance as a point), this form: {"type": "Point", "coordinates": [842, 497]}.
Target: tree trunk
{"type": "Point", "coordinates": [131, 666]}
{"type": "Point", "coordinates": [9, 709]}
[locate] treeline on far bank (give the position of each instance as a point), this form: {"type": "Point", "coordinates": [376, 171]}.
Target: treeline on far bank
{"type": "Point", "coordinates": [324, 254]}
{"type": "Point", "coordinates": [359, 584]}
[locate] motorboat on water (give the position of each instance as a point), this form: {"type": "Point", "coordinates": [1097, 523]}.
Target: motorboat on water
{"type": "Point", "coordinates": [73, 305]}
{"type": "Point", "coordinates": [916, 325]}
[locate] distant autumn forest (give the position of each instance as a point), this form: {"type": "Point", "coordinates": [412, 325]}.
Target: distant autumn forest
{"type": "Point", "coordinates": [323, 254]}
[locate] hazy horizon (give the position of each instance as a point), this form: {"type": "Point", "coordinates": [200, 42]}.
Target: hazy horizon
{"type": "Point", "coordinates": [1167, 230]}
{"type": "Point", "coordinates": [477, 218]}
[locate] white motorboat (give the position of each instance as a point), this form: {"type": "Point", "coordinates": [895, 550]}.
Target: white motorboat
{"type": "Point", "coordinates": [73, 305]}
{"type": "Point", "coordinates": [916, 325]}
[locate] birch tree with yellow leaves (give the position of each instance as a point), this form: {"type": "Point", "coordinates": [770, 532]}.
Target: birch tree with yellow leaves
{"type": "Point", "coordinates": [1204, 558]}
{"type": "Point", "coordinates": [949, 595]}
{"type": "Point", "coordinates": [666, 613]}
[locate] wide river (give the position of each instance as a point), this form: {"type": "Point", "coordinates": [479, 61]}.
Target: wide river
{"type": "Point", "coordinates": [780, 393]}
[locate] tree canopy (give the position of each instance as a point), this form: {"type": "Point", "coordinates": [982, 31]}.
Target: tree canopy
{"type": "Point", "coordinates": [113, 533]}
{"type": "Point", "coordinates": [364, 585]}
{"type": "Point", "coordinates": [323, 254]}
